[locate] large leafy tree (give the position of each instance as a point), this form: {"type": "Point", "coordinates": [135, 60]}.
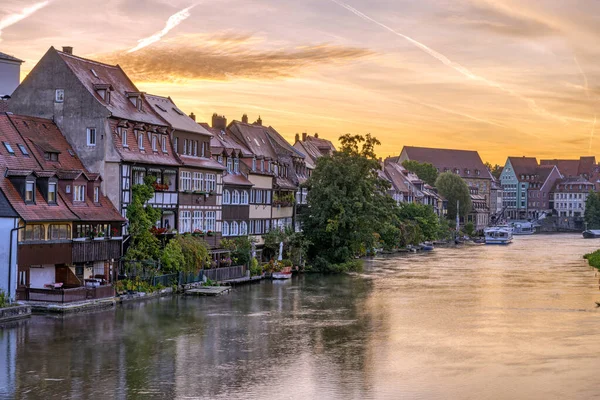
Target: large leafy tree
{"type": "Point", "coordinates": [592, 211]}
{"type": "Point", "coordinates": [348, 204]}
{"type": "Point", "coordinates": [425, 171]}
{"type": "Point", "coordinates": [424, 216]}
{"type": "Point", "coordinates": [496, 170]}
{"type": "Point", "coordinates": [452, 187]}
{"type": "Point", "coordinates": [144, 245]}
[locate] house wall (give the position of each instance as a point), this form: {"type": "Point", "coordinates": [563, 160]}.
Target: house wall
{"type": "Point", "coordinates": [8, 272]}
{"type": "Point", "coordinates": [79, 111]}
{"type": "Point", "coordinates": [41, 275]}
{"type": "Point", "coordinates": [260, 211]}
{"type": "Point", "coordinates": [10, 75]}
{"type": "Point", "coordinates": [510, 188]}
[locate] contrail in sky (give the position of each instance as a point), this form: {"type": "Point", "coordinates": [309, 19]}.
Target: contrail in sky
{"type": "Point", "coordinates": [12, 19]}
{"type": "Point", "coordinates": [457, 67]}
{"type": "Point", "coordinates": [587, 93]}
{"type": "Point", "coordinates": [172, 22]}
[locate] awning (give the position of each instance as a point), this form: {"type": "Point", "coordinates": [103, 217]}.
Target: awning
{"type": "Point", "coordinates": [170, 171]}
{"type": "Point", "coordinates": [134, 168]}
{"type": "Point", "coordinates": [167, 212]}
{"type": "Point", "coordinates": [157, 170]}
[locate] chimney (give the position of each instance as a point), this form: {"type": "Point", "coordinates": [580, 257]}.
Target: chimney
{"type": "Point", "coordinates": [304, 136]}
{"type": "Point", "coordinates": [258, 121]}
{"type": "Point", "coordinates": [316, 135]}
{"type": "Point", "coordinates": [193, 116]}
{"type": "Point", "coordinates": [297, 137]}
{"type": "Point", "coordinates": [219, 121]}
{"type": "Point", "coordinates": [245, 118]}
{"type": "Point", "coordinates": [68, 49]}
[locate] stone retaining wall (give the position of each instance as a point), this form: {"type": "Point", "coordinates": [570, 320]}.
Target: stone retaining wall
{"type": "Point", "coordinates": [15, 312]}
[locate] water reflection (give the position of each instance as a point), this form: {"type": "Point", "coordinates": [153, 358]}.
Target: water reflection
{"type": "Point", "coordinates": [482, 322]}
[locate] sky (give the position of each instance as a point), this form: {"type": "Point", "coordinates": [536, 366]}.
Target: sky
{"type": "Point", "coordinates": [504, 77]}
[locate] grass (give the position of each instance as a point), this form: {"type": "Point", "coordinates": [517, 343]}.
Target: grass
{"type": "Point", "coordinates": [593, 259]}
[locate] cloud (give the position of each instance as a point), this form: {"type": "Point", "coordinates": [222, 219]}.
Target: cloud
{"type": "Point", "coordinates": [224, 57]}
{"type": "Point", "coordinates": [172, 22]}
{"type": "Point", "coordinates": [16, 17]}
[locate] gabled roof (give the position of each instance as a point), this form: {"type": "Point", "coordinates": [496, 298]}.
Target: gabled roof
{"type": "Point", "coordinates": [568, 168]}
{"type": "Point", "coordinates": [449, 160]}
{"type": "Point", "coordinates": [221, 141]}
{"type": "Point", "coordinates": [166, 108]}
{"type": "Point", "coordinates": [7, 57]}
{"type": "Point", "coordinates": [201, 162]}
{"type": "Point", "coordinates": [564, 185]}
{"type": "Point", "coordinates": [236, 180]}
{"type": "Point", "coordinates": [523, 165]}
{"type": "Point", "coordinates": [398, 178]}
{"type": "Point", "coordinates": [92, 73]}
{"type": "Point", "coordinates": [6, 210]}
{"type": "Point", "coordinates": [255, 137]}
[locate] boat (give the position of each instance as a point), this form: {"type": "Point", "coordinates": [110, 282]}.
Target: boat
{"type": "Point", "coordinates": [523, 228]}
{"type": "Point", "coordinates": [426, 246]}
{"type": "Point", "coordinates": [286, 273]}
{"type": "Point", "coordinates": [498, 235]}
{"type": "Point", "coordinates": [591, 234]}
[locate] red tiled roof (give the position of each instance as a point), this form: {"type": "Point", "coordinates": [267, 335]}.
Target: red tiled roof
{"type": "Point", "coordinates": [255, 137]}
{"type": "Point", "coordinates": [3, 106]}
{"type": "Point", "coordinates": [132, 152]}
{"type": "Point", "coordinates": [449, 160]}
{"type": "Point", "coordinates": [572, 168]}
{"type": "Point", "coordinates": [223, 141]}
{"type": "Point", "coordinates": [168, 111]}
{"type": "Point", "coordinates": [395, 174]}
{"type": "Point", "coordinates": [564, 185]}
{"type": "Point", "coordinates": [92, 73]}
{"type": "Point", "coordinates": [523, 165]}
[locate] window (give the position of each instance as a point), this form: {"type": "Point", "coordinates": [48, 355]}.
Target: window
{"type": "Point", "coordinates": [59, 95]}
{"type": "Point", "coordinates": [51, 156]}
{"type": "Point", "coordinates": [185, 221]}
{"type": "Point", "coordinates": [226, 197]}
{"type": "Point", "coordinates": [254, 164]}
{"type": "Point", "coordinates": [96, 195]}
{"type": "Point", "coordinates": [185, 180]}
{"type": "Point", "coordinates": [176, 145]}
{"type": "Point", "coordinates": [29, 189]}
{"type": "Point", "coordinates": [138, 177]}
{"type": "Point", "coordinates": [225, 228]}
{"type": "Point", "coordinates": [235, 198]}
{"type": "Point", "coordinates": [269, 167]}
{"type": "Point", "coordinates": [9, 148]}
{"type": "Point", "coordinates": [203, 149]}
{"type": "Point", "coordinates": [243, 228]}
{"type": "Point", "coordinates": [154, 143]}
{"type": "Point", "coordinates": [68, 189]}
{"type": "Point", "coordinates": [268, 193]}
{"type": "Point", "coordinates": [236, 165]}
{"type": "Point", "coordinates": [79, 194]}
{"type": "Point", "coordinates": [244, 197]}
{"type": "Point", "coordinates": [252, 195]}
{"type": "Point", "coordinates": [195, 148]}
{"type": "Point", "coordinates": [185, 145]}
{"type": "Point", "coordinates": [197, 181]}
{"type": "Point", "coordinates": [220, 160]}
{"type": "Point", "coordinates": [259, 197]}
{"type": "Point", "coordinates": [210, 220]}
{"type": "Point", "coordinates": [59, 232]}
{"type": "Point", "coordinates": [197, 221]}
{"type": "Point", "coordinates": [52, 192]}
{"type": "Point", "coordinates": [91, 136]}
{"type": "Point", "coordinates": [229, 164]}
{"type": "Point", "coordinates": [34, 232]}
{"type": "Point", "coordinates": [164, 144]}
{"type": "Point", "coordinates": [141, 141]}
{"type": "Point", "coordinates": [23, 150]}
{"type": "Point", "coordinates": [124, 137]}
{"type": "Point", "coordinates": [235, 229]}
{"type": "Point", "coordinates": [211, 183]}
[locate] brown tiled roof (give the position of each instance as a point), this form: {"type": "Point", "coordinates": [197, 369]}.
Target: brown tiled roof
{"type": "Point", "coordinates": [449, 160]}
{"type": "Point", "coordinates": [323, 145]}
{"type": "Point", "coordinates": [166, 108]}
{"type": "Point", "coordinates": [523, 165]}
{"type": "Point", "coordinates": [224, 141]}
{"type": "Point", "coordinates": [564, 185]}
{"type": "Point", "coordinates": [201, 162]}
{"type": "Point", "coordinates": [397, 177]}
{"type": "Point", "coordinates": [284, 183]}
{"type": "Point", "coordinates": [255, 137]}
{"type": "Point", "coordinates": [7, 57]}
{"type": "Point", "coordinates": [572, 168]}
{"type": "Point", "coordinates": [236, 180]}
{"type": "Point", "coordinates": [310, 152]}
{"type": "Point", "coordinates": [132, 152]}
{"type": "Point", "coordinates": [92, 73]}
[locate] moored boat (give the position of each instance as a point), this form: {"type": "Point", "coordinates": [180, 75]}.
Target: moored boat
{"type": "Point", "coordinates": [523, 228]}
{"type": "Point", "coordinates": [286, 273]}
{"type": "Point", "coordinates": [591, 234]}
{"type": "Point", "coordinates": [426, 246]}
{"type": "Point", "coordinates": [498, 235]}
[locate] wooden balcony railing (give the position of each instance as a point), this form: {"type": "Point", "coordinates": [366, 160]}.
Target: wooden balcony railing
{"type": "Point", "coordinates": [96, 250]}
{"type": "Point", "coordinates": [69, 295]}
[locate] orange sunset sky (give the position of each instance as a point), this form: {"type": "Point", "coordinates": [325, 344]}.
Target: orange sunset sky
{"type": "Point", "coordinates": [505, 77]}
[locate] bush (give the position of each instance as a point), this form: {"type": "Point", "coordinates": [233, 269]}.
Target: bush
{"type": "Point", "coordinates": [172, 257]}
{"type": "Point", "coordinates": [4, 301]}
{"type": "Point", "coordinates": [593, 259]}
{"type": "Point", "coordinates": [195, 253]}
{"type": "Point", "coordinates": [135, 285]}
{"type": "Point", "coordinates": [255, 268]}
{"type": "Point", "coordinates": [323, 266]}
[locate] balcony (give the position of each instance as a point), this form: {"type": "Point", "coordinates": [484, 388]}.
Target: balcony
{"type": "Point", "coordinates": [164, 199]}
{"type": "Point", "coordinates": [45, 252]}
{"type": "Point", "coordinates": [96, 250]}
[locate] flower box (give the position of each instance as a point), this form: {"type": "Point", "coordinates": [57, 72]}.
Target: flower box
{"type": "Point", "coordinates": [79, 239]}
{"type": "Point", "coordinates": [117, 238]}
{"type": "Point", "coordinates": [99, 238]}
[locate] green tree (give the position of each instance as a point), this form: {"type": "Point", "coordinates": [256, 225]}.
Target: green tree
{"type": "Point", "coordinates": [424, 216]}
{"type": "Point", "coordinates": [425, 171]}
{"type": "Point", "coordinates": [172, 258]}
{"type": "Point", "coordinates": [592, 211]}
{"type": "Point", "coordinates": [348, 204]}
{"type": "Point", "coordinates": [241, 249]}
{"type": "Point", "coordinates": [144, 245]}
{"type": "Point", "coordinates": [495, 170]}
{"type": "Point", "coordinates": [453, 188]}
{"type": "Point", "coordinates": [195, 253]}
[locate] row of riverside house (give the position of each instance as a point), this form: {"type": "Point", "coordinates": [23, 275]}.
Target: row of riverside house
{"type": "Point", "coordinates": [219, 180]}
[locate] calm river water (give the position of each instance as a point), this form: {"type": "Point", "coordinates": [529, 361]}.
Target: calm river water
{"type": "Point", "coordinates": [483, 322]}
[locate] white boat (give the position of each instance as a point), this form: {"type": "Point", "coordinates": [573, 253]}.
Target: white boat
{"type": "Point", "coordinates": [498, 235]}
{"type": "Point", "coordinates": [285, 274]}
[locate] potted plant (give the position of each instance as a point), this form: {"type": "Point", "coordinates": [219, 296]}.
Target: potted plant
{"type": "Point", "coordinates": [210, 233]}
{"type": "Point", "coordinates": [197, 233]}
{"type": "Point", "coordinates": [80, 238]}
{"type": "Point", "coordinates": [114, 233]}
{"type": "Point", "coordinates": [99, 235]}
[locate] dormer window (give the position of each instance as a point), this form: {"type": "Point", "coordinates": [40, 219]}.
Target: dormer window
{"type": "Point", "coordinates": [124, 137]}
{"type": "Point", "coordinates": [477, 172]}
{"type": "Point", "coordinates": [254, 164]}
{"type": "Point", "coordinates": [59, 95]}
{"type": "Point", "coordinates": [23, 150]}
{"type": "Point", "coordinates": [96, 194]}
{"type": "Point", "coordinates": [141, 141]}
{"type": "Point", "coordinates": [220, 160]}
{"type": "Point", "coordinates": [79, 193]}
{"type": "Point", "coordinates": [195, 148]}
{"type": "Point", "coordinates": [229, 164]}
{"type": "Point", "coordinates": [51, 156]}
{"type": "Point", "coordinates": [9, 148]}
{"type": "Point", "coordinates": [91, 136]}
{"type": "Point", "coordinates": [236, 165]}
{"type": "Point", "coordinates": [52, 193]}
{"type": "Point", "coordinates": [154, 143]}
{"type": "Point", "coordinates": [203, 154]}
{"type": "Point", "coordinates": [164, 144]}
{"type": "Point", "coordinates": [136, 99]}
{"type": "Point", "coordinates": [29, 191]}
{"type": "Point", "coordinates": [185, 146]}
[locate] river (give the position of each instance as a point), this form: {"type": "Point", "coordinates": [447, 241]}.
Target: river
{"type": "Point", "coordinates": [481, 322]}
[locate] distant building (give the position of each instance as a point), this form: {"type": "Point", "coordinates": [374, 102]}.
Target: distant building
{"type": "Point", "coordinates": [583, 167]}
{"type": "Point", "coordinates": [568, 196]}
{"type": "Point", "coordinates": [10, 76]}
{"type": "Point", "coordinates": [540, 187]}
{"type": "Point", "coordinates": [515, 183]}
{"type": "Point", "coordinates": [480, 212]}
